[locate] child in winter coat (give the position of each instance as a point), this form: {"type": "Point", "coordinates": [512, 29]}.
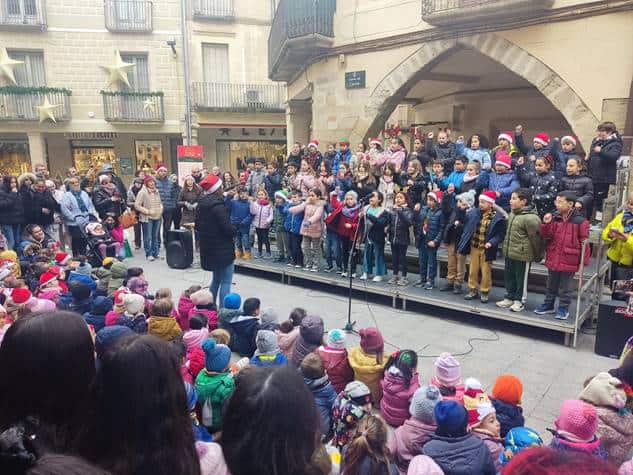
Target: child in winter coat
{"type": "Point", "coordinates": [317, 380]}
{"type": "Point", "coordinates": [506, 398]}
{"type": "Point", "coordinates": [444, 151]}
{"type": "Point", "coordinates": [453, 448]}
{"type": "Point", "coordinates": [602, 161]}
{"type": "Point", "coordinates": [475, 150]}
{"type": "Point", "coordinates": [577, 181]}
{"type": "Point", "coordinates": [161, 323]}
{"type": "Point", "coordinates": [565, 233]}
{"type": "Point", "coordinates": [80, 300]}
{"type": "Point", "coordinates": [615, 425]}
{"type": "Point", "coordinates": [293, 228]}
{"type": "Point", "coordinates": [437, 176]}
{"type": "Point", "coordinates": [343, 180]}
{"type": "Point", "coordinates": [393, 156]}
{"type": "Point", "coordinates": [345, 219]}
{"type": "Point", "coordinates": [364, 182]}
{"type": "Point", "coordinates": [447, 378]}
{"type": "Point", "coordinates": [262, 212]}
{"type": "Point", "coordinates": [517, 440]}
{"type": "Point", "coordinates": [272, 180]}
{"type": "Point", "coordinates": [541, 181]}
{"type": "Point", "coordinates": [325, 179]}
{"type": "Point", "coordinates": [400, 221]}
{"type": "Point", "coordinates": [563, 150]}
{"type": "Point", "coordinates": [288, 339]}
{"type": "Point", "coordinates": [214, 383]}
{"type": "Point", "coordinates": [133, 316]}
{"type": "Point", "coordinates": [521, 244]}
{"type": "Point", "coordinates": [244, 328]}
{"type": "Point", "coordinates": [502, 181]}
{"type": "Point", "coordinates": [352, 405]}
{"type": "Point", "coordinates": [505, 147]}
{"type": "Point", "coordinates": [400, 381]}
{"type": "Point", "coordinates": [118, 273]}
{"type": "Point", "coordinates": [103, 275]}
{"type": "Point", "coordinates": [482, 419]}
{"type": "Point", "coordinates": [310, 338]}
{"type": "Point", "coordinates": [311, 228]}
{"type": "Point", "coordinates": [367, 451]}
{"type": "Point", "coordinates": [185, 305]}
{"type": "Point", "coordinates": [414, 183]}
{"type": "Point", "coordinates": [202, 301]}
{"type": "Point", "coordinates": [334, 356]}
{"type": "Point", "coordinates": [118, 308]}
{"type": "Point", "coordinates": [540, 145]}
{"type": "Point", "coordinates": [409, 439]}
{"type": "Point", "coordinates": [241, 218]}
{"type": "Point", "coordinates": [281, 235]}
{"type": "Point", "coordinates": [388, 187]}
{"type": "Point", "coordinates": [375, 219]}
{"type": "Point", "coordinates": [342, 157]}
{"type": "Point", "coordinates": [484, 230]}
{"type": "Point", "coordinates": [453, 182]}
{"type": "Point", "coordinates": [332, 245]}
{"type": "Point", "coordinates": [367, 361]}
{"type": "Point", "coordinates": [452, 235]}
{"type": "Point", "coordinates": [230, 309]}
{"type": "Point", "coordinates": [576, 428]}
{"type": "Point", "coordinates": [288, 179]}
{"type": "Point", "coordinates": [268, 352]}
{"type": "Point", "coordinates": [471, 178]}
{"type": "Point", "coordinates": [192, 339]}
{"type": "Point", "coordinates": [96, 316]}
{"type": "Point", "coordinates": [305, 180]}
{"type": "Point", "coordinates": [432, 223]}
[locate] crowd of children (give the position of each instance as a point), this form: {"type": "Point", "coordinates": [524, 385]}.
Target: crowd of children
{"type": "Point", "coordinates": [524, 202]}
{"type": "Point", "coordinates": [442, 423]}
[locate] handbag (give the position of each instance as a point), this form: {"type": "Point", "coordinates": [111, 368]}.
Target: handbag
{"type": "Point", "coordinates": [128, 219]}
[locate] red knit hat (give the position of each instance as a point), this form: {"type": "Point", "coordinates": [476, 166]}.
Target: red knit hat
{"type": "Point", "coordinates": [509, 136]}
{"type": "Point", "coordinates": [147, 179]}
{"type": "Point", "coordinates": [489, 196]}
{"type": "Point", "coordinates": [314, 143]}
{"type": "Point", "coordinates": [375, 141]}
{"type": "Point", "coordinates": [118, 296]}
{"type": "Point", "coordinates": [542, 138]}
{"type": "Point", "coordinates": [21, 295]}
{"type": "Point", "coordinates": [211, 183]}
{"type": "Point", "coordinates": [62, 258]}
{"type": "Point", "coordinates": [371, 340]}
{"type": "Point", "coordinates": [509, 389]}
{"type": "Point", "coordinates": [505, 160]}
{"type": "Point", "coordinates": [436, 195]}
{"type": "Point", "coordinates": [161, 166]}
{"type": "Point", "coordinates": [48, 277]}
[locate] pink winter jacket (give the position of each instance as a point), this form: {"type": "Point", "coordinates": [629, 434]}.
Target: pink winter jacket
{"type": "Point", "coordinates": [396, 396]}
{"type": "Point", "coordinates": [184, 307]}
{"type": "Point", "coordinates": [212, 316]}
{"type": "Point", "coordinates": [457, 397]}
{"type": "Point", "coordinates": [262, 214]}
{"type": "Point", "coordinates": [336, 366]}
{"type": "Point", "coordinates": [288, 341]}
{"type": "Point", "coordinates": [390, 157]}
{"type": "Point", "coordinates": [407, 441]}
{"type": "Point", "coordinates": [312, 225]}
{"type": "Point", "coordinates": [304, 182]}
{"type": "Point", "coordinates": [110, 318]}
{"type": "Point", "coordinates": [615, 431]}
{"type": "Point", "coordinates": [494, 444]}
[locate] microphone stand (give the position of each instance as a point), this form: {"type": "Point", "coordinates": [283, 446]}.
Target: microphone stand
{"type": "Point", "coordinates": [349, 326]}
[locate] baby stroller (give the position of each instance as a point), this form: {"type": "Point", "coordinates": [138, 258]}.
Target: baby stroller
{"type": "Point", "coordinates": [93, 255]}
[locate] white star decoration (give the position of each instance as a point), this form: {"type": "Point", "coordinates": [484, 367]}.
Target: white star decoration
{"type": "Point", "coordinates": [119, 70]}
{"type": "Point", "coordinates": [7, 64]}
{"type": "Point", "coordinates": [149, 104]}
{"type": "Point", "coordinates": [46, 110]}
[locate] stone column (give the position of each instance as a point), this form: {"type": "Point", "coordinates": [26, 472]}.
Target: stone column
{"type": "Point", "coordinates": [298, 119]}
{"type": "Point", "coordinates": [37, 149]}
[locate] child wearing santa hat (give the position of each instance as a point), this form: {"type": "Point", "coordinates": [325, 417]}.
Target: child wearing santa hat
{"type": "Point", "coordinates": [562, 150]}
{"type": "Point", "coordinates": [540, 148]}
{"type": "Point", "coordinates": [501, 180]}
{"type": "Point", "coordinates": [505, 146]}
{"type": "Point", "coordinates": [432, 222]}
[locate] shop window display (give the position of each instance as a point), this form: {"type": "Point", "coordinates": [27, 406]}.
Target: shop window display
{"type": "Point", "coordinates": [14, 157]}
{"type": "Point", "coordinates": [231, 154]}
{"type": "Point", "coordinates": [85, 158]}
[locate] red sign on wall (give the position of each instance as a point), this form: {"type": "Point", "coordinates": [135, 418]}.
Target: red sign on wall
{"type": "Point", "coordinates": [189, 151]}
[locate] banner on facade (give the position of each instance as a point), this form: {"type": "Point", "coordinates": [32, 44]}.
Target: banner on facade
{"type": "Point", "coordinates": [189, 156]}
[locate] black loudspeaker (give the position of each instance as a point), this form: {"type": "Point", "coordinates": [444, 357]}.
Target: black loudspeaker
{"type": "Point", "coordinates": [179, 249]}
{"type": "Point", "coordinates": [615, 326]}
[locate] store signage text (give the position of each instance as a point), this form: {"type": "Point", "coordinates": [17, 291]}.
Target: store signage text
{"type": "Point", "coordinates": [248, 132]}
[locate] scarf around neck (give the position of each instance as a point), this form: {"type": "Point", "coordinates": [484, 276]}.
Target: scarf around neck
{"type": "Point", "coordinates": [351, 212]}
{"type": "Point", "coordinates": [627, 221]}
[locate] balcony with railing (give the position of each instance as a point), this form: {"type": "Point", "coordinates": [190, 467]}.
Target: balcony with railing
{"type": "Point", "coordinates": [456, 12]}
{"type": "Point", "coordinates": [132, 106]}
{"type": "Point", "coordinates": [23, 14]}
{"type": "Point", "coordinates": [123, 16]}
{"type": "Point", "coordinates": [233, 97]}
{"type": "Point", "coordinates": [301, 30]}
{"type": "Point", "coordinates": [21, 103]}
{"type": "Point", "coordinates": [213, 9]}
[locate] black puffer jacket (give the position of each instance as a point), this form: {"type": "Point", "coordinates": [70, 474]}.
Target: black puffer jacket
{"type": "Point", "coordinates": [544, 188]}
{"type": "Point", "coordinates": [400, 221]}
{"type": "Point", "coordinates": [375, 227]}
{"type": "Point", "coordinates": [104, 204]}
{"type": "Point", "coordinates": [582, 186]}
{"type": "Point", "coordinates": [11, 208]}
{"type": "Point", "coordinates": [416, 193]}
{"type": "Point", "coordinates": [40, 201]}
{"type": "Point", "coordinates": [216, 233]}
{"type": "Point", "coordinates": [602, 165]}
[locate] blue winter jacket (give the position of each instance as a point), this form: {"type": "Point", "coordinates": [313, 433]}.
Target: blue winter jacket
{"type": "Point", "coordinates": [168, 191]}
{"type": "Point", "coordinates": [264, 360]}
{"type": "Point", "coordinates": [481, 155]}
{"type": "Point", "coordinates": [504, 183]}
{"type": "Point", "coordinates": [560, 158]}
{"type": "Point", "coordinates": [243, 330]}
{"type": "Point", "coordinates": [341, 158]}
{"type": "Point", "coordinates": [292, 223]}
{"type": "Point", "coordinates": [240, 213]}
{"type": "Point", "coordinates": [432, 223]}
{"type": "Point", "coordinates": [324, 396]}
{"type": "Point", "coordinates": [509, 415]}
{"type": "Point", "coordinates": [455, 178]}
{"type": "Point", "coordinates": [494, 234]}
{"type": "Point", "coordinates": [96, 316]}
{"type": "Point", "coordinates": [84, 279]}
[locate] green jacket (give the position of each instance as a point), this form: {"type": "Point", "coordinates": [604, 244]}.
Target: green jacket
{"type": "Point", "coordinates": [217, 387]}
{"type": "Point", "coordinates": [523, 240]}
{"type": "Point", "coordinates": [118, 273]}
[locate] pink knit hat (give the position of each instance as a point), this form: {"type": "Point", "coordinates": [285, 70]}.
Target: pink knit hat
{"type": "Point", "coordinates": [424, 465]}
{"type": "Point", "coordinates": [194, 338]}
{"type": "Point", "coordinates": [447, 370]}
{"type": "Point", "coordinates": [578, 419]}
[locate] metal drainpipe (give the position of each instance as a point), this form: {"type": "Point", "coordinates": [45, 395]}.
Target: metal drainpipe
{"type": "Point", "coordinates": [185, 61]}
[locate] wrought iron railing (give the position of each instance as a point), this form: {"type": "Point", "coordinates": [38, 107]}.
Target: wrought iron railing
{"type": "Point", "coordinates": [213, 9]}
{"type": "Point", "coordinates": [442, 11]}
{"type": "Point", "coordinates": [133, 106]}
{"type": "Point", "coordinates": [236, 97]}
{"type": "Point", "coordinates": [23, 13]}
{"type": "Point", "coordinates": [128, 15]}
{"type": "Point", "coordinates": [299, 18]}
{"type": "Point", "coordinates": [21, 103]}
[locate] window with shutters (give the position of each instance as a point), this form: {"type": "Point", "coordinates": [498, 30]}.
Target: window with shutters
{"type": "Point", "coordinates": [215, 62]}
{"type": "Point", "coordinates": [31, 72]}
{"type": "Point", "coordinates": [138, 77]}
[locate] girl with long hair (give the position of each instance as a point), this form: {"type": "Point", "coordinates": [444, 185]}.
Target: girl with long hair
{"type": "Point", "coordinates": [367, 453]}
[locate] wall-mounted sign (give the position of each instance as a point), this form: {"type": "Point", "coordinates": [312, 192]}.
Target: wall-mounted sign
{"type": "Point", "coordinates": [126, 165]}
{"type": "Point", "coordinates": [189, 151]}
{"type": "Point", "coordinates": [189, 157]}
{"type": "Point", "coordinates": [251, 133]}
{"type": "Point", "coordinates": [91, 135]}
{"type": "Point", "coordinates": [355, 80]}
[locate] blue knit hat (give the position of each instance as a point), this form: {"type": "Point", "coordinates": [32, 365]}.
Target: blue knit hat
{"type": "Point", "coordinates": [216, 357]}
{"type": "Point", "coordinates": [451, 418]}
{"type": "Point", "coordinates": [192, 396]}
{"type": "Point", "coordinates": [108, 336]}
{"type": "Point", "coordinates": [233, 301]}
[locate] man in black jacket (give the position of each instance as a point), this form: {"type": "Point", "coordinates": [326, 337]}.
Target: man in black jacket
{"type": "Point", "coordinates": [602, 160]}
{"type": "Point", "coordinates": [216, 237]}
{"type": "Point", "coordinates": [43, 205]}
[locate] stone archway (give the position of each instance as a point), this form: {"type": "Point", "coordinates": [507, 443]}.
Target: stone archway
{"type": "Point", "coordinates": [397, 83]}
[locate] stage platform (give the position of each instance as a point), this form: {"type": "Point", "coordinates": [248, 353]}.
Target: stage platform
{"type": "Point", "coordinates": [580, 310]}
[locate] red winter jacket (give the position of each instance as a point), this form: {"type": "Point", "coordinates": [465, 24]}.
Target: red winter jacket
{"type": "Point", "coordinates": [212, 316]}
{"type": "Point", "coordinates": [337, 220]}
{"type": "Point", "coordinates": [184, 306]}
{"type": "Point", "coordinates": [564, 236]}
{"type": "Point", "coordinates": [336, 366]}
{"type": "Point", "coordinates": [195, 361]}
{"type": "Point", "coordinates": [396, 397]}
